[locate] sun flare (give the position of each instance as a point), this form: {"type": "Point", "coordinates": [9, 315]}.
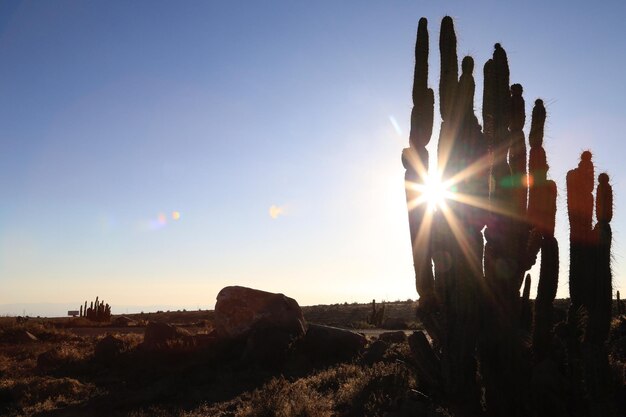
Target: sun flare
{"type": "Point", "coordinates": [433, 192]}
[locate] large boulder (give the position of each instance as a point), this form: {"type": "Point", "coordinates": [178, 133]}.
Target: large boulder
{"type": "Point", "coordinates": [240, 310]}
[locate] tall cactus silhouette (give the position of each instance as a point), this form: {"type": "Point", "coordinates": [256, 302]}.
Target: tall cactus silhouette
{"type": "Point", "coordinates": [415, 160]}
{"type": "Point", "coordinates": [471, 255]}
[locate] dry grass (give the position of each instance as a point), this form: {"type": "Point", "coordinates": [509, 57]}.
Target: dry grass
{"type": "Point", "coordinates": [187, 381]}
{"type": "Point", "coordinates": [342, 390]}
{"type": "Point", "coordinates": [37, 394]}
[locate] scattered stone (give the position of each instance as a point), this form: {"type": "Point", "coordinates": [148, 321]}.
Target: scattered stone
{"type": "Point", "coordinates": [394, 323]}
{"type": "Point", "coordinates": [239, 309]}
{"type": "Point", "coordinates": [427, 362]}
{"type": "Point", "coordinates": [159, 334]}
{"type": "Point", "coordinates": [24, 336]}
{"type": "Point", "coordinates": [332, 343]}
{"type": "Point", "coordinates": [393, 337]}
{"type": "Point", "coordinates": [123, 321]}
{"type": "Point", "coordinates": [109, 348]}
{"type": "Point", "coordinates": [375, 352]}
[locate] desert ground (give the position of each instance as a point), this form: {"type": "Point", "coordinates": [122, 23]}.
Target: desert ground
{"type": "Point", "coordinates": [67, 367]}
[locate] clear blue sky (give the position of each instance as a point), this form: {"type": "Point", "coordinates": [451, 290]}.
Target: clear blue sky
{"type": "Point", "coordinates": [116, 113]}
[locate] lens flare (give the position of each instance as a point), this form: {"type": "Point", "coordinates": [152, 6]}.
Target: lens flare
{"type": "Point", "coordinates": [276, 211]}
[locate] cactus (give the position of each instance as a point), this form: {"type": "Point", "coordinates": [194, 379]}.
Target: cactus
{"type": "Point", "coordinates": [602, 292]}
{"type": "Point", "coordinates": [590, 287]}
{"type": "Point", "coordinates": [580, 210]}
{"type": "Point", "coordinates": [97, 311]}
{"type": "Point", "coordinates": [377, 316]}
{"type": "Point", "coordinates": [590, 248]}
{"type": "Point", "coordinates": [415, 160]}
{"type": "Point", "coordinates": [525, 311]}
{"type": "Point", "coordinates": [470, 304]}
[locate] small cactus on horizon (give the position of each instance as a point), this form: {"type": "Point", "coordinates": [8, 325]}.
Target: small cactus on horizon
{"type": "Point", "coordinates": [377, 315]}
{"type": "Point", "coordinates": [97, 311]}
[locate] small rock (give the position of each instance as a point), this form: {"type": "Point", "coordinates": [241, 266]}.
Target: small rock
{"type": "Point", "coordinates": [24, 336]}
{"type": "Point", "coordinates": [332, 343]}
{"type": "Point", "coordinates": [123, 321]}
{"type": "Point", "coordinates": [375, 352]}
{"type": "Point", "coordinates": [393, 337]}
{"type": "Point", "coordinates": [109, 348]}
{"type": "Point", "coordinates": [394, 323]}
{"type": "Point", "coordinates": [161, 334]}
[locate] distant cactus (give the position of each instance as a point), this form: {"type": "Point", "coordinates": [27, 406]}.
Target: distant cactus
{"type": "Point", "coordinates": [97, 311]}
{"type": "Point", "coordinates": [376, 318]}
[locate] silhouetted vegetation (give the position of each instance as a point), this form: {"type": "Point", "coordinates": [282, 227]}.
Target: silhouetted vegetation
{"type": "Point", "coordinates": [377, 316]}
{"type": "Point", "coordinates": [485, 338]}
{"type": "Point", "coordinates": [97, 311]}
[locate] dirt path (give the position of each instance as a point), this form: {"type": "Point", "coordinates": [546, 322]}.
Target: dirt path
{"type": "Point", "coordinates": [102, 331]}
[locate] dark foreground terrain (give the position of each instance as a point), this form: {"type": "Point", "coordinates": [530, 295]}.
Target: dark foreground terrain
{"type": "Point", "coordinates": [49, 368]}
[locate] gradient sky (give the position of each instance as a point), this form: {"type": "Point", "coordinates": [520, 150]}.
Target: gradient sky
{"type": "Point", "coordinates": [274, 129]}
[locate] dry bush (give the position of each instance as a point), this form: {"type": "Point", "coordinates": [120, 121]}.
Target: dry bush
{"type": "Point", "coordinates": [11, 331]}
{"type": "Point", "coordinates": [37, 394]}
{"type": "Point", "coordinates": [132, 340]}
{"type": "Point", "coordinates": [59, 356]}
{"type": "Point", "coordinates": [281, 398]}
{"type": "Point", "coordinates": [346, 389]}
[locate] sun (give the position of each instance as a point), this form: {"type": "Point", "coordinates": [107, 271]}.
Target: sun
{"type": "Point", "coordinates": [434, 192]}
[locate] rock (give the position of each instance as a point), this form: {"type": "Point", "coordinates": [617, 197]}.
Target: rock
{"type": "Point", "coordinates": [427, 363]}
{"type": "Point", "coordinates": [239, 309]}
{"type": "Point", "coordinates": [332, 343]}
{"type": "Point", "coordinates": [393, 337]}
{"type": "Point", "coordinates": [123, 321]}
{"type": "Point", "coordinates": [24, 336]}
{"type": "Point", "coordinates": [375, 352]}
{"type": "Point", "coordinates": [161, 334]}
{"type": "Point", "coordinates": [109, 348]}
{"type": "Point", "coordinates": [268, 345]}
{"type": "Point", "coordinates": [394, 323]}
